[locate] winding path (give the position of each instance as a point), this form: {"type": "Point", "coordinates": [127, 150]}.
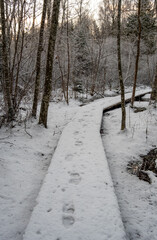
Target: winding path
{"type": "Point", "coordinates": [77, 200]}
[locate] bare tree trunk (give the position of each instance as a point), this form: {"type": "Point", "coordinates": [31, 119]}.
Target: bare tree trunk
{"type": "Point", "coordinates": [62, 77]}
{"type": "Point", "coordinates": [68, 53]}
{"type": "Point", "coordinates": [10, 111]}
{"type": "Point", "coordinates": [123, 122]}
{"type": "Point", "coordinates": [138, 53]}
{"type": "Point", "coordinates": [38, 62]}
{"type": "Point", "coordinates": [80, 11]}
{"type": "Point", "coordinates": [17, 40]}
{"type": "Point", "coordinates": [1, 49]}
{"type": "Point", "coordinates": [17, 72]}
{"type": "Point", "coordinates": [154, 89]}
{"type": "Point", "coordinates": [34, 11]}
{"type": "Point", "coordinates": [48, 13]}
{"type": "Point", "coordinates": [49, 65]}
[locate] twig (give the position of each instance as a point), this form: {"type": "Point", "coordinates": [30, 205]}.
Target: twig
{"type": "Point", "coordinates": [26, 130]}
{"type": "Point", "coordinates": [8, 143]}
{"type": "Point", "coordinates": [4, 138]}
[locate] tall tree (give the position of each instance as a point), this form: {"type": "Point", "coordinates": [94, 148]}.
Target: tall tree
{"type": "Point", "coordinates": [68, 54]}
{"type": "Point", "coordinates": [82, 63]}
{"type": "Point", "coordinates": [123, 122]}
{"type": "Point", "coordinates": [1, 64]}
{"type": "Point", "coordinates": [154, 89]}
{"type": "Point", "coordinates": [107, 15]}
{"type": "Point", "coordinates": [49, 64]}
{"type": "Point", "coordinates": [138, 53]}
{"type": "Point", "coordinates": [10, 111]}
{"type": "Point", "coordinates": [34, 17]}
{"type": "Point", "coordinates": [148, 26]}
{"type": "Point", "coordinates": [38, 61]}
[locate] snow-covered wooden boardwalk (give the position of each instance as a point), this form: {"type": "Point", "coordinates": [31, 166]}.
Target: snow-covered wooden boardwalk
{"type": "Point", "coordinates": [77, 200]}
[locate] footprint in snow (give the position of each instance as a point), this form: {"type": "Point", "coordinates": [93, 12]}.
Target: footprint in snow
{"type": "Point", "coordinates": [81, 120]}
{"type": "Point", "coordinates": [68, 219]}
{"type": "Point", "coordinates": [69, 157]}
{"type": "Point", "coordinates": [75, 178]}
{"type": "Point", "coordinates": [78, 143]}
{"type": "Point", "coordinates": [69, 208]}
{"type": "Point", "coordinates": [76, 132]}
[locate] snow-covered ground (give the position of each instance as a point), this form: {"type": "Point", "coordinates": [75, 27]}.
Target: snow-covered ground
{"type": "Point", "coordinates": [77, 199]}
{"type": "Point", "coordinates": [24, 161]}
{"type": "Point", "coordinates": [137, 199]}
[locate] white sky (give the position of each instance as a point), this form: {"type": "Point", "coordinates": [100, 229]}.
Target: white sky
{"type": "Point", "coordinates": [94, 6]}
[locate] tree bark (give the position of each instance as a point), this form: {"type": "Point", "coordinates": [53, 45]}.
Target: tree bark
{"type": "Point", "coordinates": [68, 54]}
{"type": "Point", "coordinates": [1, 49]}
{"type": "Point", "coordinates": [34, 16]}
{"type": "Point", "coordinates": [49, 64]}
{"type": "Point", "coordinates": [10, 112]}
{"type": "Point", "coordinates": [138, 54]}
{"type": "Point", "coordinates": [154, 88]}
{"type": "Point", "coordinates": [123, 121]}
{"type": "Point", "coordinates": [38, 61]}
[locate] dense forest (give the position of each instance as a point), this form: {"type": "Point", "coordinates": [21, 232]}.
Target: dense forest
{"type": "Point", "coordinates": [60, 49]}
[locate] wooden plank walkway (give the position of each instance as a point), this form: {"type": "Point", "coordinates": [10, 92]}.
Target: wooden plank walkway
{"type": "Point", "coordinates": [77, 200]}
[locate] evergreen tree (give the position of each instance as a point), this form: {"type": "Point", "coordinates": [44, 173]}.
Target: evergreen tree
{"type": "Point", "coordinates": [148, 27]}
{"type": "Point", "coordinates": [82, 64]}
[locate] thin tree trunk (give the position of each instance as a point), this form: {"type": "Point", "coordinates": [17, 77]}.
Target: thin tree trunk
{"type": "Point", "coordinates": [1, 49]}
{"type": "Point", "coordinates": [138, 53]}
{"type": "Point", "coordinates": [68, 53]}
{"type": "Point", "coordinates": [10, 111]}
{"type": "Point", "coordinates": [154, 88]}
{"type": "Point", "coordinates": [123, 121]}
{"type": "Point", "coordinates": [62, 77]}
{"type": "Point", "coordinates": [38, 62]}
{"type": "Point", "coordinates": [49, 64]}
{"type": "Point", "coordinates": [34, 16]}
{"type": "Point", "coordinates": [48, 13]}
{"type": "Point", "coordinates": [17, 39]}
{"type": "Point", "coordinates": [17, 72]}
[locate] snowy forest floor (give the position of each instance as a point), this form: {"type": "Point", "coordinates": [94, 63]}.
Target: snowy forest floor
{"type": "Point", "coordinates": [24, 161]}
{"type": "Point", "coordinates": [137, 199]}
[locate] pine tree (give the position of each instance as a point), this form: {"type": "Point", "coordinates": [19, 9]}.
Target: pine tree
{"type": "Point", "coordinates": [148, 28]}
{"type": "Point", "coordinates": [82, 65]}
